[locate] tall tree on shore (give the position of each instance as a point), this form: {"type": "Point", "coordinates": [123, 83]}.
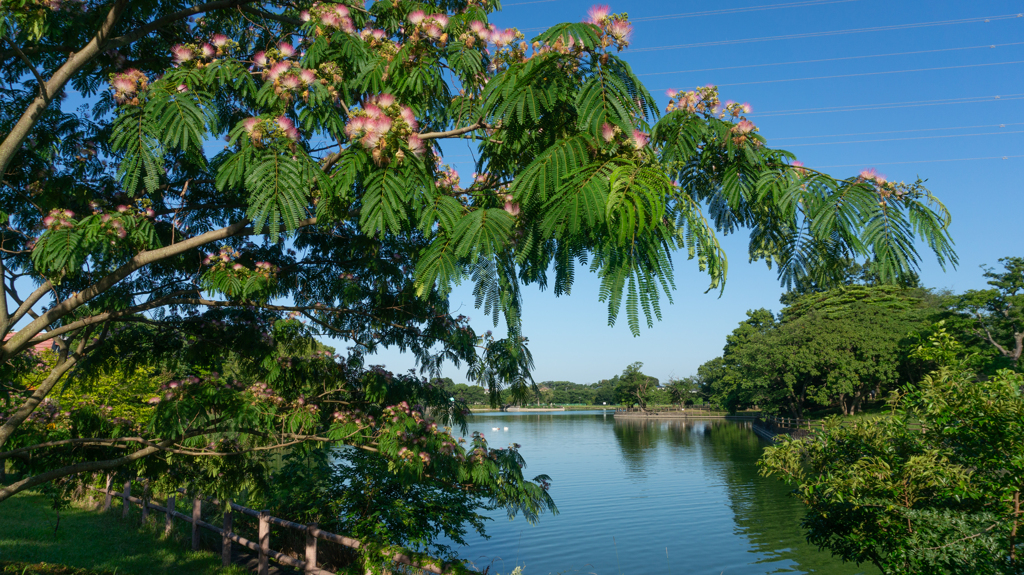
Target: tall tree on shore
{"type": "Point", "coordinates": [834, 348]}
{"type": "Point", "coordinates": [129, 231]}
{"type": "Point", "coordinates": [996, 315]}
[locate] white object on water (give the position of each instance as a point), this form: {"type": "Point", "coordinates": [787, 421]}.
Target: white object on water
{"type": "Point", "coordinates": [506, 429]}
{"type": "Point", "coordinates": [494, 429]}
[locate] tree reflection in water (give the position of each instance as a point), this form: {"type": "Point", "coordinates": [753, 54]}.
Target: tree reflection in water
{"type": "Point", "coordinates": [763, 511]}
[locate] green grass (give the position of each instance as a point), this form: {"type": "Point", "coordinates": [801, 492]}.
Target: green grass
{"type": "Point", "coordinates": [93, 540]}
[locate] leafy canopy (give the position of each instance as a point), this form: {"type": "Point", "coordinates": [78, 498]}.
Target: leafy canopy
{"type": "Point", "coordinates": [131, 234]}
{"type": "Point", "coordinates": [934, 486]}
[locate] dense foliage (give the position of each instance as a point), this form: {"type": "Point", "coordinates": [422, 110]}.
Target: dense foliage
{"type": "Point", "coordinates": [833, 348]}
{"type": "Point", "coordinates": [992, 320]}
{"type": "Point", "coordinates": [934, 486]}
{"type": "Point", "coordinates": [132, 237]}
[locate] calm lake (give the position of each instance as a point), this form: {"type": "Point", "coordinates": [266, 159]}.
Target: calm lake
{"type": "Point", "coordinates": [646, 497]}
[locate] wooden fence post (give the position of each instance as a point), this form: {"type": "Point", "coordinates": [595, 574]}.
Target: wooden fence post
{"type": "Point", "coordinates": [90, 499]}
{"type": "Point", "coordinates": [145, 501]}
{"type": "Point", "coordinates": [197, 510]}
{"type": "Point", "coordinates": [110, 484]}
{"type": "Point", "coordinates": [125, 494]}
{"type": "Point", "coordinates": [310, 566]}
{"type": "Point", "coordinates": [169, 522]}
{"type": "Point", "coordinates": [264, 540]}
{"type": "Point", "coordinates": [225, 541]}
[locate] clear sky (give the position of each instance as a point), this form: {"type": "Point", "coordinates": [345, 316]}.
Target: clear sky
{"type": "Point", "coordinates": [932, 89]}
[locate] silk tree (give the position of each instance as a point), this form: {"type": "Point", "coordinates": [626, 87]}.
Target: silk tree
{"type": "Point", "coordinates": [240, 167]}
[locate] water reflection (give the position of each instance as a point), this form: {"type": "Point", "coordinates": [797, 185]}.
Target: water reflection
{"type": "Point", "coordinates": [648, 497]}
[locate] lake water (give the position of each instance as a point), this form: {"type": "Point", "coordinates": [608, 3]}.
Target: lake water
{"type": "Point", "coordinates": [647, 497]}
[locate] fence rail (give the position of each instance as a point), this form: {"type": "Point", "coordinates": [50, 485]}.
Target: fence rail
{"type": "Point", "coordinates": [308, 564]}
{"type": "Point", "coordinates": [665, 409]}
{"type": "Point", "coordinates": [798, 426]}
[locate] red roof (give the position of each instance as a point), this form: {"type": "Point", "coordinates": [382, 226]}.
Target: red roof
{"type": "Point", "coordinates": [41, 346]}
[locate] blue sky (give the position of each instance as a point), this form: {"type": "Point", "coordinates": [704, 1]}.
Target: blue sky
{"type": "Point", "coordinates": [935, 89]}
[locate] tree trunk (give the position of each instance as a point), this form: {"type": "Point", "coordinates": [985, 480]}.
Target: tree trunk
{"type": "Point", "coordinates": [858, 399]}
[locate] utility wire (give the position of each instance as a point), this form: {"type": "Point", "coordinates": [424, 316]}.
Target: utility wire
{"type": "Point", "coordinates": [861, 74]}
{"type": "Point", "coordinates": [829, 33]}
{"type": "Point", "coordinates": [902, 139]}
{"type": "Point", "coordinates": [531, 2]}
{"type": "Point", "coordinates": [920, 162]}
{"type": "Point", "coordinates": [803, 4]}
{"type": "Point", "coordinates": [900, 131]}
{"type": "Point", "coordinates": [888, 105]}
{"type": "Point", "coordinates": [828, 59]}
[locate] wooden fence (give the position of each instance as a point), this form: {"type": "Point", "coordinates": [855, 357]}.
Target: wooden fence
{"type": "Point", "coordinates": [799, 427]}
{"type": "Point", "coordinates": [665, 409]}
{"type": "Point", "coordinates": [262, 546]}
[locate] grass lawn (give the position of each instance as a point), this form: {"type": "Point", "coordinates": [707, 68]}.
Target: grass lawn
{"type": "Point", "coordinates": [94, 540]}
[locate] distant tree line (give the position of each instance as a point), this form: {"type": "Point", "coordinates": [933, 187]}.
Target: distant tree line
{"type": "Point", "coordinates": [933, 484]}
{"type": "Point", "coordinates": [841, 347]}
{"type": "Point", "coordinates": [630, 388]}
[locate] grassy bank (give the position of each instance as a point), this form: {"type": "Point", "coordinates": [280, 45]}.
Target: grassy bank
{"type": "Point", "coordinates": [92, 540]}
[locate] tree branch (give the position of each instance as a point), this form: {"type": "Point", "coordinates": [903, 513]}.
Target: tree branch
{"type": "Point", "coordinates": [269, 16]}
{"type": "Point", "coordinates": [5, 317]}
{"type": "Point", "coordinates": [12, 142]}
{"type": "Point", "coordinates": [32, 300]}
{"type": "Point", "coordinates": [30, 482]}
{"type": "Point", "coordinates": [180, 15]}
{"type": "Point", "coordinates": [89, 441]}
{"type": "Point", "coordinates": [107, 316]}
{"type": "Point", "coordinates": [31, 66]}
{"type": "Point", "coordinates": [64, 363]}
{"type": "Point", "coordinates": [456, 132]}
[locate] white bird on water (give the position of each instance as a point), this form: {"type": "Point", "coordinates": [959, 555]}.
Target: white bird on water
{"type": "Point", "coordinates": [494, 429]}
{"type": "Point", "coordinates": [506, 429]}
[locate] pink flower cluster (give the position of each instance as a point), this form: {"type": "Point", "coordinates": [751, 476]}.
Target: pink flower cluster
{"type": "Point", "coordinates": [512, 207]}
{"type": "Point", "coordinates": [113, 226]}
{"type": "Point", "coordinates": [373, 35]}
{"type": "Point", "coordinates": [330, 16]}
{"type": "Point", "coordinates": [493, 34]}
{"type": "Point", "coordinates": [263, 392]}
{"type": "Point", "coordinates": [226, 255]}
{"type": "Point", "coordinates": [615, 28]}
{"type": "Point", "coordinates": [128, 85]}
{"type": "Point", "coordinates": [703, 100]}
{"type": "Point", "coordinates": [744, 127]}
{"type": "Point", "coordinates": [280, 127]}
{"type": "Point", "coordinates": [218, 46]}
{"type": "Point", "coordinates": [430, 25]}
{"type": "Point", "coordinates": [58, 219]}
{"type": "Point", "coordinates": [637, 139]}
{"type": "Point", "coordinates": [266, 269]}
{"type": "Point", "coordinates": [872, 175]}
{"type": "Point", "coordinates": [381, 124]}
{"type": "Point", "coordinates": [449, 179]}
{"type": "Point", "coordinates": [53, 5]}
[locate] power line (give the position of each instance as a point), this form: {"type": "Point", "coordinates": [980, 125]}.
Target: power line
{"type": "Point", "coordinates": [900, 131]}
{"type": "Point", "coordinates": [889, 105]}
{"type": "Point", "coordinates": [860, 74]}
{"type": "Point", "coordinates": [803, 4]}
{"type": "Point", "coordinates": [524, 3]}
{"type": "Point", "coordinates": [828, 59]}
{"type": "Point", "coordinates": [920, 162]}
{"type": "Point", "coordinates": [829, 33]}
{"type": "Point", "coordinates": [903, 139]}
{"type": "Point", "coordinates": [760, 8]}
